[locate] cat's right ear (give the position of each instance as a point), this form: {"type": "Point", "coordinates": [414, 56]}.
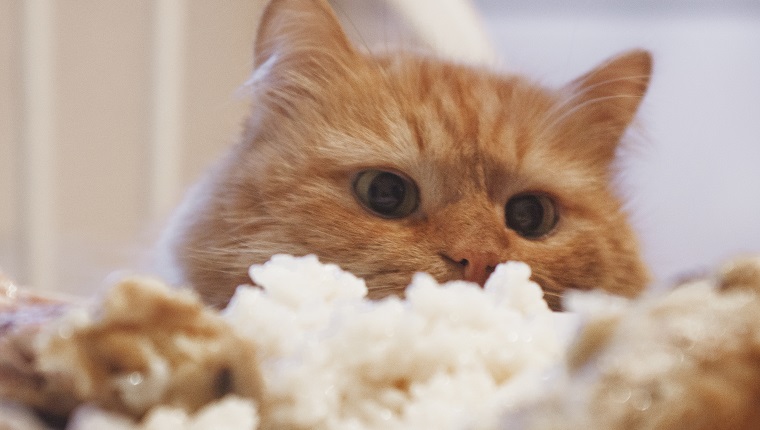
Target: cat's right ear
{"type": "Point", "coordinates": [300, 35]}
{"type": "Point", "coordinates": [605, 101]}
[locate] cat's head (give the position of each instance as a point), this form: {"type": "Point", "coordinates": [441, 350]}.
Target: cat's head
{"type": "Point", "coordinates": [389, 165]}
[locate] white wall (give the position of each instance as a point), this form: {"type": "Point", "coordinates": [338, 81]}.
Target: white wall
{"type": "Point", "coordinates": [96, 88]}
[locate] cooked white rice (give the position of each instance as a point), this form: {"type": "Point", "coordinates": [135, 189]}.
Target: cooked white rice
{"type": "Point", "coordinates": [450, 356]}
{"type": "Point", "coordinates": [444, 357]}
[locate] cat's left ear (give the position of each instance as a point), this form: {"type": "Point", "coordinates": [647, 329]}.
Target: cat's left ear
{"type": "Point", "coordinates": [300, 35]}
{"type": "Point", "coordinates": [606, 100]}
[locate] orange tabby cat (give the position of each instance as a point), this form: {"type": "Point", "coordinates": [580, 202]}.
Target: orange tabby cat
{"type": "Point", "coordinates": [390, 165]}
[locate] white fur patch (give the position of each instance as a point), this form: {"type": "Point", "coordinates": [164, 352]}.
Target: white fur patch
{"type": "Point", "coordinates": [258, 75]}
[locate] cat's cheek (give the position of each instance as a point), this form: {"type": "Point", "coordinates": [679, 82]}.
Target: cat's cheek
{"type": "Point", "coordinates": [560, 261]}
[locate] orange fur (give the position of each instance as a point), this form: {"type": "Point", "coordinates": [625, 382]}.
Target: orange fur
{"type": "Point", "coordinates": [469, 138]}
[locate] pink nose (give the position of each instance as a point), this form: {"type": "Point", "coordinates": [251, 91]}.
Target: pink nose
{"type": "Point", "coordinates": [478, 266]}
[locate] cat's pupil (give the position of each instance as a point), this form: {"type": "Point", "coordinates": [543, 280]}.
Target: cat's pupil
{"type": "Point", "coordinates": [527, 214]}
{"type": "Point", "coordinates": [386, 192]}
{"type": "Point", "coordinates": [531, 215]}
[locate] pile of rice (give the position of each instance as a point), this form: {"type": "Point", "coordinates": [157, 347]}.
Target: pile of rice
{"type": "Point", "coordinates": [450, 356]}
{"type": "Point", "coordinates": [309, 351]}
{"type": "Point", "coordinates": [444, 357]}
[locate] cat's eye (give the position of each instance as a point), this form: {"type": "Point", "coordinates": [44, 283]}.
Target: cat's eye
{"type": "Point", "coordinates": [531, 215]}
{"type": "Point", "coordinates": [387, 194]}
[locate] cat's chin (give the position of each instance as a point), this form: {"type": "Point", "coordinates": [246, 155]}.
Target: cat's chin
{"type": "Point", "coordinates": [384, 282]}
{"type": "Point", "coordinates": [383, 285]}
{"type": "Point", "coordinates": [552, 291]}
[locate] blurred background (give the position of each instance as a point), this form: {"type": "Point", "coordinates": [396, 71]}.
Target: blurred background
{"type": "Point", "coordinates": [110, 109]}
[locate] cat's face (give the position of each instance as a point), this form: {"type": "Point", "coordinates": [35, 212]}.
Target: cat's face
{"type": "Point", "coordinates": [393, 165]}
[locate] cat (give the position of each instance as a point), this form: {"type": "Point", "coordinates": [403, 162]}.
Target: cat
{"type": "Point", "coordinates": [399, 163]}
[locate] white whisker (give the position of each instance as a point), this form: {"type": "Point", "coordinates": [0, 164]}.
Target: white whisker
{"type": "Point", "coordinates": [557, 121]}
